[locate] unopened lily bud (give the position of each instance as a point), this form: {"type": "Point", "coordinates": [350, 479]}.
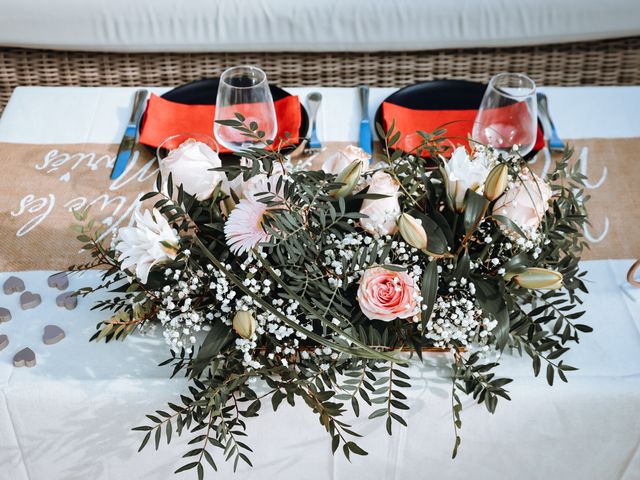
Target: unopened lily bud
{"type": "Point", "coordinates": [412, 231]}
{"type": "Point", "coordinates": [349, 176]}
{"type": "Point", "coordinates": [244, 324]}
{"type": "Point", "coordinates": [496, 182]}
{"type": "Point", "coordinates": [227, 205]}
{"type": "Point", "coordinates": [537, 279]}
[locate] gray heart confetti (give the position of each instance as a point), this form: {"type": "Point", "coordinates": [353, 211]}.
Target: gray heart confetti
{"type": "Point", "coordinates": [52, 334]}
{"type": "Point", "coordinates": [30, 300]}
{"type": "Point", "coordinates": [4, 341]}
{"type": "Point", "coordinates": [13, 285]}
{"type": "Point", "coordinates": [58, 280]}
{"type": "Point", "coordinates": [67, 300]}
{"type": "Point", "coordinates": [24, 358]}
{"type": "Point", "coordinates": [5, 315]}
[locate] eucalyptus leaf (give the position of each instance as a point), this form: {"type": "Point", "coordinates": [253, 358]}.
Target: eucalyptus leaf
{"type": "Point", "coordinates": [490, 297]}
{"type": "Point", "coordinates": [429, 290]}
{"type": "Point", "coordinates": [215, 341]}
{"type": "Point", "coordinates": [510, 224]}
{"type": "Point", "coordinates": [436, 238]}
{"type": "Point", "coordinates": [518, 263]}
{"type": "Point", "coordinates": [475, 206]}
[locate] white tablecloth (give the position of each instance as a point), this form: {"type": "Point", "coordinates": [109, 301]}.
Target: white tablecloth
{"type": "Point", "coordinates": [69, 417]}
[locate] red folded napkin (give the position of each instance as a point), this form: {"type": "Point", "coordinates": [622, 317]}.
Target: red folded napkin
{"type": "Point", "coordinates": [164, 118]}
{"type": "Point", "coordinates": [458, 123]}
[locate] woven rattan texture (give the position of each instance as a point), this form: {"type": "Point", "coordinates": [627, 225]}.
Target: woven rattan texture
{"type": "Point", "coordinates": [607, 62]}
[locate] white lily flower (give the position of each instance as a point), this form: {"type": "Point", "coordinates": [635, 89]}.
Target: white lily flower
{"type": "Point", "coordinates": [150, 241]}
{"type": "Point", "coordinates": [464, 173]}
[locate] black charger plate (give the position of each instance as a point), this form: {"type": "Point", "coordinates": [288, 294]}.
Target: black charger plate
{"type": "Point", "coordinates": [204, 92]}
{"type": "Point", "coordinates": [440, 95]}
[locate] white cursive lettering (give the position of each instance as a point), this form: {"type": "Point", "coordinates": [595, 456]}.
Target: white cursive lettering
{"type": "Point", "coordinates": [31, 204]}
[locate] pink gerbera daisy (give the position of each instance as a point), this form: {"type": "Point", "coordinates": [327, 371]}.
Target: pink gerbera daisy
{"type": "Point", "coordinates": [243, 229]}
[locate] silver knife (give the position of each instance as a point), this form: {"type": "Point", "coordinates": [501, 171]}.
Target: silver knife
{"type": "Point", "coordinates": [130, 137]}
{"type": "Point", "coordinates": [366, 142]}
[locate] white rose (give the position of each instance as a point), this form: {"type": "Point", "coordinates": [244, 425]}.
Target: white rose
{"type": "Point", "coordinates": [149, 242]}
{"type": "Point", "coordinates": [343, 158]}
{"type": "Point", "coordinates": [464, 173]}
{"type": "Point", "coordinates": [258, 183]}
{"type": "Point", "coordinates": [382, 214]}
{"type": "Point", "coordinates": [190, 165]}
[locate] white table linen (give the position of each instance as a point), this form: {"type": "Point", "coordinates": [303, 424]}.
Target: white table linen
{"type": "Point", "coordinates": [69, 417]}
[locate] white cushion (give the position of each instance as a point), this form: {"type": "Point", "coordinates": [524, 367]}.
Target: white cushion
{"type": "Point", "coordinates": [309, 25]}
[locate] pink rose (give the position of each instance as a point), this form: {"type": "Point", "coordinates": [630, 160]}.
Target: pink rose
{"type": "Point", "coordinates": [526, 202]}
{"type": "Point", "coordinates": [387, 295]}
{"type": "Point", "coordinates": [382, 214]}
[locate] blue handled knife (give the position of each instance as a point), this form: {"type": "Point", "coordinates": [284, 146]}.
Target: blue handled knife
{"type": "Point", "coordinates": [366, 141]}
{"type": "Point", "coordinates": [130, 137]}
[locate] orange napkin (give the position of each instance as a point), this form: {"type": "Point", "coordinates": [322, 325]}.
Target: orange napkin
{"type": "Point", "coordinates": [458, 123]}
{"type": "Point", "coordinates": [164, 118]}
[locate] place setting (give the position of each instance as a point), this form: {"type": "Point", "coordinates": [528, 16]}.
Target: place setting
{"type": "Point", "coordinates": [282, 268]}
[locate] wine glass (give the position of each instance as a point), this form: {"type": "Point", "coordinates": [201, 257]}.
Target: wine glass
{"type": "Point", "coordinates": [244, 90]}
{"type": "Point", "coordinates": [508, 114]}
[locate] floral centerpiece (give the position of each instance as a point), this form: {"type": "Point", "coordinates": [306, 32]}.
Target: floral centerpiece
{"type": "Point", "coordinates": [325, 285]}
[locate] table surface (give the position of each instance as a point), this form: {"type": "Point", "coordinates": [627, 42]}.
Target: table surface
{"type": "Point", "coordinates": [69, 417]}
{"type": "Point", "coordinates": [83, 114]}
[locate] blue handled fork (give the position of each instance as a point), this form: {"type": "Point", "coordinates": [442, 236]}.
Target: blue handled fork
{"type": "Point", "coordinates": [551, 134]}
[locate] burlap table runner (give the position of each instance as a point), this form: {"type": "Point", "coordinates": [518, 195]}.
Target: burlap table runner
{"type": "Point", "coordinates": [43, 183]}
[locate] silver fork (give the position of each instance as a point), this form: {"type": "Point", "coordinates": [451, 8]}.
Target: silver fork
{"type": "Point", "coordinates": [310, 147]}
